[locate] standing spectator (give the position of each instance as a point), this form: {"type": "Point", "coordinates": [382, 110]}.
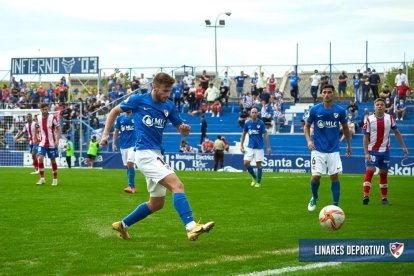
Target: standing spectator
{"type": "Point", "coordinates": [240, 83]}
{"type": "Point", "coordinates": [385, 93]}
{"type": "Point", "coordinates": [203, 128]}
{"type": "Point", "coordinates": [211, 94]}
{"type": "Point", "coordinates": [400, 77]}
{"type": "Point", "coordinates": [324, 144]}
{"type": "Point", "coordinates": [188, 79]}
{"type": "Point", "coordinates": [272, 83]}
{"type": "Point", "coordinates": [218, 148]}
{"type": "Point", "coordinates": [353, 109]}
{"type": "Point", "coordinates": [135, 84]}
{"type": "Point", "coordinates": [207, 145]}
{"type": "Point", "coordinates": [226, 84]}
{"type": "Point", "coordinates": [93, 150]}
{"type": "Point", "coordinates": [357, 88]}
{"type": "Point", "coordinates": [125, 131]}
{"type": "Point", "coordinates": [374, 81]}
{"type": "Point", "coordinates": [402, 91]}
{"type": "Point", "coordinates": [192, 97]}
{"type": "Point", "coordinates": [342, 82]}
{"type": "Point", "coordinates": [294, 80]}
{"type": "Point", "coordinates": [70, 152]}
{"type": "Point", "coordinates": [5, 93]}
{"type": "Point", "coordinates": [253, 85]}
{"type": "Point", "coordinates": [261, 83]}
{"type": "Point", "coordinates": [254, 151]}
{"type": "Point", "coordinates": [224, 93]}
{"type": "Point", "coordinates": [324, 81]}
{"type": "Point", "coordinates": [278, 118]}
{"type": "Point", "coordinates": [199, 96]}
{"type": "Point", "coordinates": [177, 91]}
{"type": "Point", "coordinates": [204, 80]}
{"type": "Point", "coordinates": [143, 84]}
{"type": "Point", "coordinates": [316, 79]}
{"type": "Point", "coordinates": [49, 131]}
{"type": "Point", "coordinates": [377, 132]}
{"type": "Point", "coordinates": [365, 87]}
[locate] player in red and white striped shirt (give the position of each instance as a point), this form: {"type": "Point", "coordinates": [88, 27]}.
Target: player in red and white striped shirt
{"type": "Point", "coordinates": [30, 129]}
{"type": "Point", "coordinates": [49, 129]}
{"type": "Point", "coordinates": [377, 131]}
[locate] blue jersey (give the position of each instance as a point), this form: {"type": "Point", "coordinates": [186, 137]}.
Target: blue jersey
{"type": "Point", "coordinates": [126, 127]}
{"type": "Point", "coordinates": [150, 119]}
{"type": "Point", "coordinates": [294, 80]}
{"type": "Point", "coordinates": [326, 126]}
{"type": "Point", "coordinates": [255, 131]}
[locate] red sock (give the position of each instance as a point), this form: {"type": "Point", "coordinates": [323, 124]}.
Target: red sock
{"type": "Point", "coordinates": [41, 169]}
{"type": "Point", "coordinates": [383, 185]}
{"type": "Point", "coordinates": [35, 164]}
{"type": "Point", "coordinates": [54, 169]}
{"type": "Point", "coordinates": [367, 181]}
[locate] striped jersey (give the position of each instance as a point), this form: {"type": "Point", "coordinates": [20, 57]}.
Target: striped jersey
{"type": "Point", "coordinates": [29, 128]}
{"type": "Point", "coordinates": [48, 128]}
{"type": "Point", "coordinates": [379, 130]}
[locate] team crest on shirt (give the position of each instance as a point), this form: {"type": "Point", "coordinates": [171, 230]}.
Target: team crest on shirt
{"type": "Point", "coordinates": [166, 112]}
{"type": "Point", "coordinates": [258, 126]}
{"type": "Point", "coordinates": [336, 115]}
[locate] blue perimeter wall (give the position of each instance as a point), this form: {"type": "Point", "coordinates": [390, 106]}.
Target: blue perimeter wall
{"type": "Point", "coordinates": [205, 162]}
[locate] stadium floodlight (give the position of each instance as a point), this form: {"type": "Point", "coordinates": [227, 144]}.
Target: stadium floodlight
{"type": "Point", "coordinates": [215, 26]}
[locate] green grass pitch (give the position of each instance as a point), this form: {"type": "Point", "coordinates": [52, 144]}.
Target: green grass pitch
{"type": "Point", "coordinates": [66, 230]}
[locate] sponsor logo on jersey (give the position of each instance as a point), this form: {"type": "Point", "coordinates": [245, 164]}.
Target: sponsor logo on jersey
{"type": "Point", "coordinates": [156, 122]}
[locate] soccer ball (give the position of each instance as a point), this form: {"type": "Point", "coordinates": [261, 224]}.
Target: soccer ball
{"type": "Point", "coordinates": [331, 217]}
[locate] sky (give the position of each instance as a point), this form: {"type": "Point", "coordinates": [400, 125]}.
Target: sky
{"type": "Point", "coordinates": [167, 33]}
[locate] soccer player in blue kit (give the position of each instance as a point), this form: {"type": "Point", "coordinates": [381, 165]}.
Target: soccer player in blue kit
{"type": "Point", "coordinates": [324, 146]}
{"type": "Point", "coordinates": [151, 112]}
{"type": "Point", "coordinates": [125, 131]}
{"type": "Point", "coordinates": [256, 129]}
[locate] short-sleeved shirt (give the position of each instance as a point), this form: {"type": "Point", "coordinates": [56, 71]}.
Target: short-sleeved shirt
{"type": "Point", "coordinates": [255, 131]}
{"type": "Point", "coordinates": [126, 127]}
{"type": "Point", "coordinates": [326, 123]}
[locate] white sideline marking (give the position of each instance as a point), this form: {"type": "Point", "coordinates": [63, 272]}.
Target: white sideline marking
{"type": "Point", "coordinates": [290, 269]}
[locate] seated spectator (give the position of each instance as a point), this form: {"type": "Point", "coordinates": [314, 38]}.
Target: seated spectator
{"type": "Point", "coordinates": [207, 146]}
{"type": "Point", "coordinates": [278, 118]}
{"type": "Point", "coordinates": [203, 109]}
{"type": "Point", "coordinates": [403, 91]}
{"type": "Point", "coordinates": [353, 109]}
{"type": "Point", "coordinates": [389, 106]}
{"type": "Point", "coordinates": [243, 117]}
{"type": "Point", "coordinates": [266, 112]}
{"type": "Point", "coordinates": [215, 108]}
{"type": "Point", "coordinates": [246, 102]}
{"type": "Point", "coordinates": [185, 147]}
{"type": "Point", "coordinates": [386, 92]}
{"type": "Point", "coordinates": [400, 110]}
{"type": "Point", "coordinates": [364, 118]}
{"type": "Point", "coordinates": [351, 127]}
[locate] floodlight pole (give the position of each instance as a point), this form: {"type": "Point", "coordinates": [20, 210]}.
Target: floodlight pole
{"type": "Point", "coordinates": [215, 26]}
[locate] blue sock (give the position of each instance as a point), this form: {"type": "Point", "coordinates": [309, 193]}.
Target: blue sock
{"type": "Point", "coordinates": [182, 207]}
{"type": "Point", "coordinates": [259, 174]}
{"type": "Point", "coordinates": [141, 212]}
{"type": "Point", "coordinates": [335, 188]}
{"type": "Point", "coordinates": [315, 188]}
{"type": "Point", "coordinates": [131, 177]}
{"type": "Point", "coordinates": [251, 171]}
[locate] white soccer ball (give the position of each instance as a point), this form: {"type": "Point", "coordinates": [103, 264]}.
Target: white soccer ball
{"type": "Point", "coordinates": [331, 217]}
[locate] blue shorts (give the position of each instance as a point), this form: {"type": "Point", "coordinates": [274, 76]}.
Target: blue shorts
{"type": "Point", "coordinates": [34, 148]}
{"type": "Point", "coordinates": [52, 153]}
{"type": "Point", "coordinates": [379, 159]}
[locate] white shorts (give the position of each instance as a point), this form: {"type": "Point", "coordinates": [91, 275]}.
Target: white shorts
{"type": "Point", "coordinates": [254, 154]}
{"type": "Point", "coordinates": [322, 163]}
{"type": "Point", "coordinates": [151, 164]}
{"type": "Point", "coordinates": [128, 155]}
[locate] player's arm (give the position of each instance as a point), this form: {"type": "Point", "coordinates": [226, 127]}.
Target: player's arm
{"type": "Point", "coordinates": [20, 134]}
{"type": "Point", "coordinates": [115, 140]}
{"type": "Point", "coordinates": [365, 144]}
{"type": "Point", "coordinates": [110, 120]}
{"type": "Point", "coordinates": [347, 134]}
{"type": "Point", "coordinates": [306, 131]}
{"type": "Point", "coordinates": [269, 149]}
{"type": "Point", "coordinates": [401, 141]}
{"type": "Point", "coordinates": [242, 141]}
